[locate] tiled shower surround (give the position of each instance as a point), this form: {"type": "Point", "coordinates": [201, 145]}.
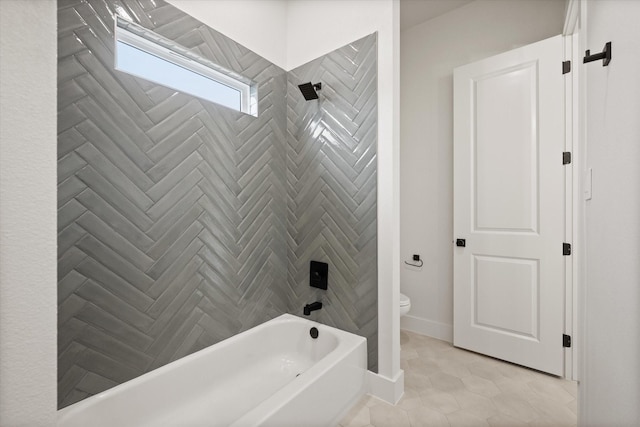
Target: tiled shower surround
{"type": "Point", "coordinates": [182, 223]}
{"type": "Point", "coordinates": [331, 177]}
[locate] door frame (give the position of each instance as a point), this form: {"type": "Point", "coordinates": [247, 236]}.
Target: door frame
{"type": "Point", "coordinates": [574, 179]}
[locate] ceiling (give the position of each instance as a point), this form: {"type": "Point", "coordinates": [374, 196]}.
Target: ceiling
{"type": "Point", "coordinates": [413, 12]}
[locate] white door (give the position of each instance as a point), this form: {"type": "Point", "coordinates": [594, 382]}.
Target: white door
{"type": "Point", "coordinates": [509, 206]}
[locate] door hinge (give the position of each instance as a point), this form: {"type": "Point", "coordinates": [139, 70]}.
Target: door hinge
{"type": "Point", "coordinates": [566, 249]}
{"type": "Point", "coordinates": [566, 67]}
{"type": "Point", "coordinates": [566, 157]}
{"type": "Point", "coordinates": [566, 340]}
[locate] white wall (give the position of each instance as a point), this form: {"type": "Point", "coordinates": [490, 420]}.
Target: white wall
{"type": "Point", "coordinates": [315, 28]}
{"type": "Point", "coordinates": [429, 53]}
{"type": "Point", "coordinates": [610, 380]}
{"type": "Point", "coordinates": [28, 213]}
{"type": "Point", "coordinates": [259, 25]}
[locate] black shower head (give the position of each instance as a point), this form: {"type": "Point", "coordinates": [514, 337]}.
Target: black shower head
{"type": "Point", "coordinates": [309, 90]}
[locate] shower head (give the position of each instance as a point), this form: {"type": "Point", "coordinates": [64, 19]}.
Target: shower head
{"type": "Point", "coordinates": [309, 90]}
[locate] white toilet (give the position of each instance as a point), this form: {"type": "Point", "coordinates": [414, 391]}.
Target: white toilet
{"type": "Point", "coordinates": [405, 304]}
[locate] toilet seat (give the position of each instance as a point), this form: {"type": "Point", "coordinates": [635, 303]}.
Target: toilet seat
{"type": "Point", "coordinates": [404, 300]}
{"type": "Point", "coordinates": [405, 304]}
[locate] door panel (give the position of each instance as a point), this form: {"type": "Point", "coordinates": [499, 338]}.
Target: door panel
{"type": "Point", "coordinates": [509, 206]}
{"type": "Point", "coordinates": [505, 196]}
{"type": "Point", "coordinates": [511, 279]}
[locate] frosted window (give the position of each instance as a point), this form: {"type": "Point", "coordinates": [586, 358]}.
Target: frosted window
{"type": "Point", "coordinates": [147, 55]}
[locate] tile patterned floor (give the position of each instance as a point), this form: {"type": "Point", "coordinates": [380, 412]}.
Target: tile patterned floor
{"type": "Point", "coordinates": [446, 386]}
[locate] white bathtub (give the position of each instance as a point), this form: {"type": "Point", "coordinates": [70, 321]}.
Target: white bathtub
{"type": "Point", "coordinates": [272, 375]}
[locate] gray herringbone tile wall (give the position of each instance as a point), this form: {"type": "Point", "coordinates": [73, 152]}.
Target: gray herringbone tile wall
{"type": "Point", "coordinates": [331, 182]}
{"type": "Point", "coordinates": [172, 210]}
{"type": "Point", "coordinates": [182, 223]}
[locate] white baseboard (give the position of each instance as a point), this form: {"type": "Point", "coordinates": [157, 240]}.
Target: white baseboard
{"type": "Point", "coordinates": [388, 389]}
{"type": "Point", "coordinates": [430, 328]}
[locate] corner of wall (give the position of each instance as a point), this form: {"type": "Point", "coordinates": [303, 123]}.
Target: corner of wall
{"type": "Point", "coordinates": [390, 390]}
{"type": "Point", "coordinates": [332, 188]}
{"type": "Point", "coordinates": [259, 25]}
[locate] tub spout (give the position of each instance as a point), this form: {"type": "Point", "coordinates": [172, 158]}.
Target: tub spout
{"type": "Point", "coordinates": [312, 307]}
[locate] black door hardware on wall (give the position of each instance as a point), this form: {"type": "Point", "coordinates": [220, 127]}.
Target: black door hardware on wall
{"type": "Point", "coordinates": [319, 275]}
{"type": "Point", "coordinates": [461, 243]}
{"type": "Point", "coordinates": [605, 55]}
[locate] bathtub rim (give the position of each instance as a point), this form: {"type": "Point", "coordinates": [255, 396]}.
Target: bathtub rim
{"type": "Point", "coordinates": [347, 342]}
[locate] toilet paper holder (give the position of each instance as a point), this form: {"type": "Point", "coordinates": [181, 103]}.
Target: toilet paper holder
{"type": "Point", "coordinates": [416, 259]}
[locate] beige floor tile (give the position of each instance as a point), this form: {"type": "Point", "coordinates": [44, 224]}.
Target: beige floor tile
{"type": "Point", "coordinates": [447, 386]}
{"type": "Point", "coordinates": [481, 386]}
{"type": "Point", "coordinates": [373, 401]}
{"type": "Point", "coordinates": [409, 354]}
{"type": "Point", "coordinates": [439, 401]}
{"type": "Point", "coordinates": [571, 387]}
{"type": "Point", "coordinates": [502, 420]}
{"type": "Point", "coordinates": [424, 417]}
{"type": "Point", "coordinates": [550, 390]}
{"type": "Point", "coordinates": [543, 422]}
{"type": "Point", "coordinates": [410, 393]}
{"type": "Point", "coordinates": [410, 399]}
{"type": "Point", "coordinates": [463, 418]}
{"type": "Point", "coordinates": [411, 340]}
{"type": "Point", "coordinates": [456, 369]}
{"type": "Point", "coordinates": [446, 382]}
{"type": "Point", "coordinates": [405, 338]}
{"type": "Point", "coordinates": [433, 344]}
{"type": "Point", "coordinates": [553, 410]}
{"type": "Point", "coordinates": [515, 407]}
{"type": "Point", "coordinates": [358, 416]}
{"type": "Point", "coordinates": [431, 354]}
{"type": "Point", "coordinates": [446, 353]}
{"type": "Point", "coordinates": [420, 339]}
{"type": "Point", "coordinates": [467, 399]}
{"type": "Point", "coordinates": [389, 416]}
{"type": "Point", "coordinates": [466, 357]}
{"type": "Point", "coordinates": [423, 366]}
{"type": "Point", "coordinates": [486, 370]}
{"type": "Point", "coordinates": [415, 381]}
{"type": "Point", "coordinates": [517, 373]}
{"type": "Point", "coordinates": [483, 411]}
{"type": "Point", "coordinates": [516, 388]}
{"type": "Point", "coordinates": [368, 400]}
